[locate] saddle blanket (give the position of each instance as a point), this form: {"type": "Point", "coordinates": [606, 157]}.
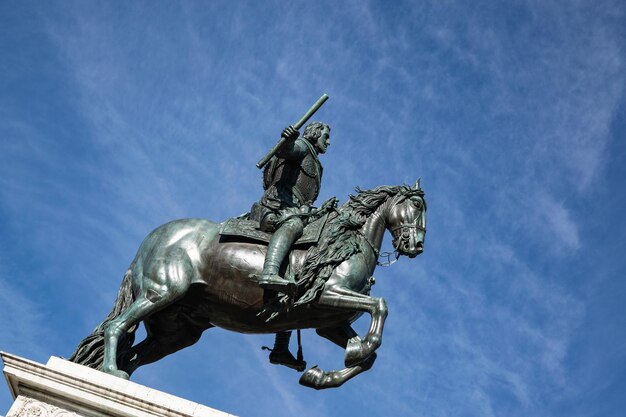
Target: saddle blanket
{"type": "Point", "coordinates": [241, 227]}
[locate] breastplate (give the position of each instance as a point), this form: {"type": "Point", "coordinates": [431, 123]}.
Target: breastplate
{"type": "Point", "coordinates": [302, 178]}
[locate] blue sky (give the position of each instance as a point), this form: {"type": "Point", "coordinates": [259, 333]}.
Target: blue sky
{"type": "Point", "coordinates": [117, 117]}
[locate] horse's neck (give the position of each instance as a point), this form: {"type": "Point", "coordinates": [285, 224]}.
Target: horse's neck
{"type": "Point", "coordinates": [375, 226]}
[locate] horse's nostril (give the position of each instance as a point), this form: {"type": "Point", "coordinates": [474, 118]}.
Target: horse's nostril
{"type": "Point", "coordinates": [419, 247]}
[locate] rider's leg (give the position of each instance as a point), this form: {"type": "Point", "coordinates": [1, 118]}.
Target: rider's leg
{"type": "Point", "coordinates": [279, 246]}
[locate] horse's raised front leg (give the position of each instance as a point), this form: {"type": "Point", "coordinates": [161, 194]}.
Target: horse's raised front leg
{"type": "Point", "coordinates": [320, 379]}
{"type": "Point", "coordinates": [357, 350]}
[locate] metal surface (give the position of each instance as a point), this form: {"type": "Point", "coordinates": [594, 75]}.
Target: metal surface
{"type": "Point", "coordinates": [185, 279]}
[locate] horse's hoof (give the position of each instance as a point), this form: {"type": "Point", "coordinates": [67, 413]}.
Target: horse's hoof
{"type": "Point", "coordinates": [355, 353]}
{"type": "Point", "coordinates": [118, 373]}
{"type": "Point", "coordinates": [313, 378]}
{"type": "Point", "coordinates": [319, 379]}
{"type": "Point", "coordinates": [369, 362]}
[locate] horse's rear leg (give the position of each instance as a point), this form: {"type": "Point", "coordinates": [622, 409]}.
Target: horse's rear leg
{"type": "Point", "coordinates": [338, 335]}
{"type": "Point", "coordinates": [152, 349]}
{"type": "Point", "coordinates": [320, 379]}
{"type": "Point", "coordinates": [161, 341]}
{"type": "Point", "coordinates": [138, 310]}
{"type": "Point", "coordinates": [166, 279]}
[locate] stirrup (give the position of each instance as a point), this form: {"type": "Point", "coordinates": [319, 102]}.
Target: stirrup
{"type": "Point", "coordinates": [285, 358]}
{"type": "Point", "coordinates": [275, 283]}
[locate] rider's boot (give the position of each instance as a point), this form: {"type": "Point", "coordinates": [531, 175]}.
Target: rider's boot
{"type": "Point", "coordinates": [281, 355]}
{"type": "Point", "coordinates": [279, 246]}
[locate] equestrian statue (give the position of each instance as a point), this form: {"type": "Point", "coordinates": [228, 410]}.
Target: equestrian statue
{"type": "Point", "coordinates": [286, 265]}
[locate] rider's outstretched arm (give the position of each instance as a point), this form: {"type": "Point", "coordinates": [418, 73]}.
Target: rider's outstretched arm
{"type": "Point", "coordinates": [293, 147]}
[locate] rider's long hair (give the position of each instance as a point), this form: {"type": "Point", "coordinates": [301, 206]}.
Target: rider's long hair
{"type": "Point", "coordinates": [313, 131]}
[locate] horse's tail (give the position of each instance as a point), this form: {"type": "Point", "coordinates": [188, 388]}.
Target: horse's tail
{"type": "Point", "coordinates": [90, 351]}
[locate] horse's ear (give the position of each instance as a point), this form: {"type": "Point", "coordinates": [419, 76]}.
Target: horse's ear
{"type": "Point", "coordinates": [417, 184]}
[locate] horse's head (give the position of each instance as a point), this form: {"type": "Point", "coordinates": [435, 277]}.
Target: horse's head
{"type": "Point", "coordinates": [406, 221]}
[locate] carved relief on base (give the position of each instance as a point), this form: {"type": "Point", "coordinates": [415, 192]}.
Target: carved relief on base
{"type": "Point", "coordinates": [29, 407]}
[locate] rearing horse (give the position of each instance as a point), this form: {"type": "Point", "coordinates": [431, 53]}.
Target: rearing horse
{"type": "Point", "coordinates": [185, 279]}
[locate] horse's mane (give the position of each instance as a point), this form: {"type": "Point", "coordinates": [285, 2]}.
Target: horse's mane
{"type": "Point", "coordinates": [340, 240]}
{"type": "Point", "coordinates": [367, 201]}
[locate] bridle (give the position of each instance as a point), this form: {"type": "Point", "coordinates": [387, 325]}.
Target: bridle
{"type": "Point", "coordinates": [400, 234]}
{"type": "Point", "coordinates": [405, 229]}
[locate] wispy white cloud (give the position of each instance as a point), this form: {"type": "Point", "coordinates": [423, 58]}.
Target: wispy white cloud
{"type": "Point", "coordinates": [559, 221]}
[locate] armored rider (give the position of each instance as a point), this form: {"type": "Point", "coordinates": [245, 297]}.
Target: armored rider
{"type": "Point", "coordinates": [292, 181]}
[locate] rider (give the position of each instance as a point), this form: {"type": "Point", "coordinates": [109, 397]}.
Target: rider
{"type": "Point", "coordinates": [292, 181]}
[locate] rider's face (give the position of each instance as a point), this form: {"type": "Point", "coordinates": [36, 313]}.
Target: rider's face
{"type": "Point", "coordinates": [323, 142]}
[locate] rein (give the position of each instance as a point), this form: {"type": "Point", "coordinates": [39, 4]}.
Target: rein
{"type": "Point", "coordinates": [379, 255]}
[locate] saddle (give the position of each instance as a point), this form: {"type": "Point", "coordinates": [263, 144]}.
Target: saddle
{"type": "Point", "coordinates": [243, 229]}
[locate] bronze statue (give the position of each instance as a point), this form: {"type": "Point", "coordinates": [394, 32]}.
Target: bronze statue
{"type": "Point", "coordinates": [190, 275]}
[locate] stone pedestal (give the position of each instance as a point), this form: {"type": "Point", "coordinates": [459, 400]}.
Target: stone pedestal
{"type": "Point", "coordinates": [65, 389]}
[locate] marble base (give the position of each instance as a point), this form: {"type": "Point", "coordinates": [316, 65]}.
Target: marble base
{"type": "Point", "coordinates": [65, 389]}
